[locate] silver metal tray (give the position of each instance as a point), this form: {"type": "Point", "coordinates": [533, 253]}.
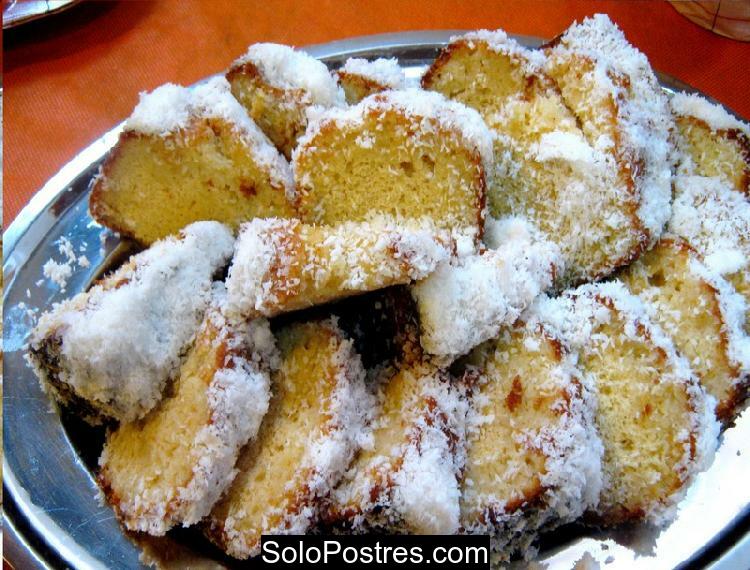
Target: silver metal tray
{"type": "Point", "coordinates": [52, 518]}
{"type": "Point", "coordinates": [16, 13]}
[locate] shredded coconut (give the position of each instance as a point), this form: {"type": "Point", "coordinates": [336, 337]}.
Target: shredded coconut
{"type": "Point", "coordinates": [463, 304]}
{"type": "Point", "coordinates": [576, 317]}
{"type": "Point", "coordinates": [170, 108]}
{"type": "Point", "coordinates": [287, 68]}
{"type": "Point", "coordinates": [413, 486]}
{"type": "Point", "coordinates": [119, 342]}
{"type": "Point", "coordinates": [567, 146]}
{"type": "Point", "coordinates": [60, 271]}
{"type": "Point", "coordinates": [715, 116]}
{"type": "Point", "coordinates": [384, 72]}
{"type": "Point", "coordinates": [417, 105]}
{"type": "Point", "coordinates": [642, 112]}
{"type": "Point", "coordinates": [237, 396]}
{"type": "Point", "coordinates": [281, 265]}
{"type": "Point", "coordinates": [713, 219]}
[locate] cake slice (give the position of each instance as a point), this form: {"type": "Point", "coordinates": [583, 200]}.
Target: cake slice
{"type": "Point", "coordinates": [487, 69]}
{"type": "Point", "coordinates": [278, 85]}
{"type": "Point", "coordinates": [655, 421]}
{"type": "Point", "coordinates": [715, 220]}
{"type": "Point", "coordinates": [359, 77]}
{"type": "Point", "coordinates": [533, 457]}
{"type": "Point", "coordinates": [711, 142]}
{"type": "Point", "coordinates": [702, 314]}
{"type": "Point", "coordinates": [311, 431]}
{"type": "Point", "coordinates": [408, 154]}
{"type": "Point", "coordinates": [110, 351]}
{"type": "Point", "coordinates": [283, 265]}
{"type": "Point", "coordinates": [187, 155]}
{"type": "Point", "coordinates": [469, 300]}
{"type": "Point", "coordinates": [615, 96]}
{"type": "Point", "coordinates": [549, 165]}
{"type": "Point", "coordinates": [170, 467]}
{"type": "Point", "coordinates": [407, 478]}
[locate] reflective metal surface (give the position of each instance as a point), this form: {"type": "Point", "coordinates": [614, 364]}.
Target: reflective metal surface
{"type": "Point", "coordinates": [50, 493]}
{"type": "Point", "coordinates": [17, 12]}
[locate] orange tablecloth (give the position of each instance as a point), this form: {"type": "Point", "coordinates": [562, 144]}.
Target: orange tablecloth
{"type": "Point", "coordinates": [71, 77]}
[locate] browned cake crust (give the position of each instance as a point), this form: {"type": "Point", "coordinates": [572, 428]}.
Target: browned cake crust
{"type": "Point", "coordinates": [312, 429]}
{"type": "Point", "coordinates": [408, 480]}
{"type": "Point", "coordinates": [280, 113]}
{"type": "Point", "coordinates": [703, 315]}
{"type": "Point", "coordinates": [551, 111]}
{"type": "Point", "coordinates": [357, 87]}
{"type": "Point", "coordinates": [205, 159]}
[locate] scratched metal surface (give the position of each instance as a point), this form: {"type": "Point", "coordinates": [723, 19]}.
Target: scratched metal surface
{"type": "Point", "coordinates": [51, 509]}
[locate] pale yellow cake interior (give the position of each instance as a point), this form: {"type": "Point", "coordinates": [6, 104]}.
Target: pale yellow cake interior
{"type": "Point", "coordinates": [688, 309]}
{"type": "Point", "coordinates": [154, 186]}
{"type": "Point", "coordinates": [280, 113]}
{"type": "Point", "coordinates": [153, 456]}
{"type": "Point", "coordinates": [716, 153]}
{"type": "Point", "coordinates": [640, 417]}
{"type": "Point", "coordinates": [383, 167]}
{"type": "Point", "coordinates": [357, 87]}
{"type": "Point", "coordinates": [273, 475]}
{"type": "Point", "coordinates": [502, 473]}
{"type": "Point", "coordinates": [480, 77]}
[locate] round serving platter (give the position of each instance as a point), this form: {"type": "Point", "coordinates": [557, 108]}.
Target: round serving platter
{"type": "Point", "coordinates": [52, 516]}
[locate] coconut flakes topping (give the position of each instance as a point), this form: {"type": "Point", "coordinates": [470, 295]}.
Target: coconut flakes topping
{"type": "Point", "coordinates": [463, 304]}
{"type": "Point", "coordinates": [385, 72]}
{"type": "Point", "coordinates": [170, 108]}
{"type": "Point", "coordinates": [715, 220]}
{"type": "Point", "coordinates": [497, 40]}
{"type": "Point", "coordinates": [715, 116]}
{"type": "Point", "coordinates": [414, 485]}
{"type": "Point", "coordinates": [562, 145]}
{"type": "Point", "coordinates": [238, 397]}
{"type": "Point", "coordinates": [124, 338]}
{"type": "Point", "coordinates": [426, 490]}
{"type": "Point", "coordinates": [417, 105]}
{"type": "Point", "coordinates": [644, 119]}
{"type": "Point", "coordinates": [575, 317]}
{"type": "Point", "coordinates": [276, 265]}
{"type": "Point", "coordinates": [287, 68]}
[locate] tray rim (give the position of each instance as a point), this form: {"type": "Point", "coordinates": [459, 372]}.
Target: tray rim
{"type": "Point", "coordinates": [27, 225]}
